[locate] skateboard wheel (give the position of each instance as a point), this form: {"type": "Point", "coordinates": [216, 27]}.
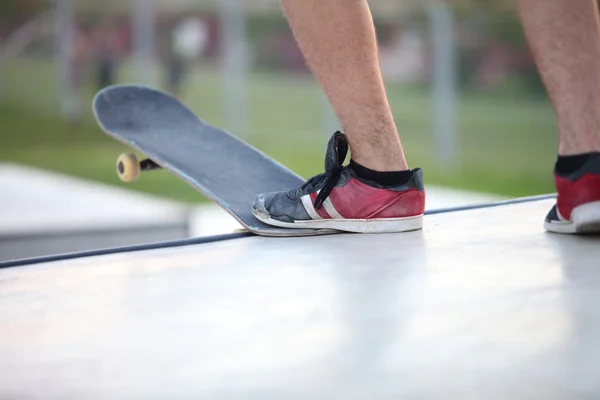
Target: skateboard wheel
{"type": "Point", "coordinates": [128, 167]}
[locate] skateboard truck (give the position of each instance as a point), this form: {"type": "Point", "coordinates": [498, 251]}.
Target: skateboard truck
{"type": "Point", "coordinates": [129, 167]}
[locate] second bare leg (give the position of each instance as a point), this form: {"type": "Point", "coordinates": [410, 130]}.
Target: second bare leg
{"type": "Point", "coordinates": [564, 36]}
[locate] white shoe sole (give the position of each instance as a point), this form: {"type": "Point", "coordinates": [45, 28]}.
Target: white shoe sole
{"type": "Point", "coordinates": [382, 225]}
{"type": "Point", "coordinates": [584, 219]}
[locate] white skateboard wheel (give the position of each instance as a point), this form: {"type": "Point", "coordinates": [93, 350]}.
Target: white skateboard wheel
{"type": "Point", "coordinates": [128, 167]}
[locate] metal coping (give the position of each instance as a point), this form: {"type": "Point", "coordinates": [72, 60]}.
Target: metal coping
{"type": "Point", "coordinates": [124, 249]}
{"type": "Point", "coordinates": [230, 236]}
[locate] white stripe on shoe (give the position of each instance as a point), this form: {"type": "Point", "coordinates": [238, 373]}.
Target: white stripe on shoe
{"type": "Point", "coordinates": [328, 205]}
{"type": "Point", "coordinates": [559, 215]}
{"type": "Point", "coordinates": [309, 207]}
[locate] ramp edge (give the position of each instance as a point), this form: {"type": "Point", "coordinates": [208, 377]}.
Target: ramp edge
{"type": "Point", "coordinates": [123, 249]}
{"type": "Point", "coordinates": [501, 203]}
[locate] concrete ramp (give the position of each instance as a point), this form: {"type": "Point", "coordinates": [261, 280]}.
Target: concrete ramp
{"type": "Point", "coordinates": [43, 213]}
{"type": "Point", "coordinates": [481, 304]}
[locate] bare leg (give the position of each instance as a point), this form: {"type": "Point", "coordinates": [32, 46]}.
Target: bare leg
{"type": "Point", "coordinates": [379, 193]}
{"type": "Point", "coordinates": [337, 38]}
{"type": "Point", "coordinates": [564, 36]}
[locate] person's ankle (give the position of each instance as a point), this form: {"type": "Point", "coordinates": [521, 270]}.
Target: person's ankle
{"type": "Point", "coordinates": [568, 164]}
{"type": "Point", "coordinates": [384, 178]}
{"type": "Point", "coordinates": [575, 149]}
{"type": "Point", "coordinates": [381, 163]}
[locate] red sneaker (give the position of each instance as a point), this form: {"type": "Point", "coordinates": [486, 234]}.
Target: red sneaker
{"type": "Point", "coordinates": [577, 208]}
{"type": "Point", "coordinates": [340, 200]}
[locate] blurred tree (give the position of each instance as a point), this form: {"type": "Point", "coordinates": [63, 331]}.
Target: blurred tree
{"type": "Point", "coordinates": [13, 13]}
{"type": "Point", "coordinates": [8, 7]}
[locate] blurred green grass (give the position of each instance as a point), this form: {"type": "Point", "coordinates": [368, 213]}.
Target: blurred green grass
{"type": "Point", "coordinates": [507, 144]}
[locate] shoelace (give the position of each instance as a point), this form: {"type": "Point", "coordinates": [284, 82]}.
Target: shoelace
{"type": "Point", "coordinates": [337, 149]}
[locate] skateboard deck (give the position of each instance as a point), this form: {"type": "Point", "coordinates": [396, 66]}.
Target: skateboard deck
{"type": "Point", "coordinates": [217, 164]}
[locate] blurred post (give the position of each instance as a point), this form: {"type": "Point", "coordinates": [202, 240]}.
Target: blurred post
{"type": "Point", "coordinates": [235, 65]}
{"type": "Point", "coordinates": [64, 46]}
{"type": "Point", "coordinates": [444, 87]}
{"type": "Point", "coordinates": [144, 41]}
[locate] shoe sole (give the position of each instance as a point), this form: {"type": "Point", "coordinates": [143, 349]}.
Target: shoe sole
{"type": "Point", "coordinates": [585, 219]}
{"type": "Point", "coordinates": [383, 225]}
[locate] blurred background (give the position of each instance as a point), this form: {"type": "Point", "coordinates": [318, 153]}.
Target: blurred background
{"type": "Point", "coordinates": [465, 92]}
{"type": "Point", "coordinates": [240, 68]}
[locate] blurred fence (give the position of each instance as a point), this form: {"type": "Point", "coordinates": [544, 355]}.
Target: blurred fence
{"type": "Point", "coordinates": [461, 80]}
{"type": "Point", "coordinates": [489, 43]}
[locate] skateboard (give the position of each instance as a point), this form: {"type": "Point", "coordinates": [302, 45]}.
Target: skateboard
{"type": "Point", "coordinates": [216, 163]}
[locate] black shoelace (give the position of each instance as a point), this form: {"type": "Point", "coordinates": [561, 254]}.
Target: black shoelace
{"type": "Point", "coordinates": [337, 149]}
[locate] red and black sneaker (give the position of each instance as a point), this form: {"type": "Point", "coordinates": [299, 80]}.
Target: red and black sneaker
{"type": "Point", "coordinates": [344, 198]}
{"type": "Point", "coordinates": [577, 208]}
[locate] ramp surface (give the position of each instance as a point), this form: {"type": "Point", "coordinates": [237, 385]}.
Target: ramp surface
{"type": "Point", "coordinates": [481, 304]}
